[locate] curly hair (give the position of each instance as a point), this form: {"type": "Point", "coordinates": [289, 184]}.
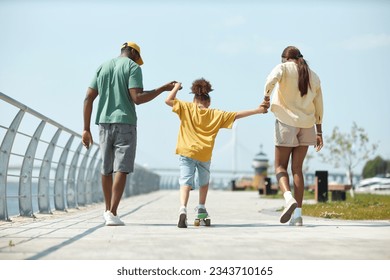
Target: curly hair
{"type": "Point", "coordinates": [201, 87]}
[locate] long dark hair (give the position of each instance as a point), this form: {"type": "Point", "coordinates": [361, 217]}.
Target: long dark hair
{"type": "Point", "coordinates": [303, 68]}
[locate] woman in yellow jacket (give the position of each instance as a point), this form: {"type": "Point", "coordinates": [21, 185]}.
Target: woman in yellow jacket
{"type": "Point", "coordinates": [298, 108]}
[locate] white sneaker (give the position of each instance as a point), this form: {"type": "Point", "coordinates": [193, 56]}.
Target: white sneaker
{"type": "Point", "coordinates": [296, 221]}
{"type": "Point", "coordinates": [105, 215]}
{"type": "Point", "coordinates": [182, 218]}
{"type": "Point", "coordinates": [288, 210]}
{"type": "Point", "coordinates": [112, 220]}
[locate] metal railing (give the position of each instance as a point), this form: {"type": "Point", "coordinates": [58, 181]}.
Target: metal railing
{"type": "Point", "coordinates": [43, 166]}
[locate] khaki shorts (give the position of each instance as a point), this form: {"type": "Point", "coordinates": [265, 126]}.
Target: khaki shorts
{"type": "Point", "coordinates": [289, 136]}
{"type": "Point", "coordinates": [117, 146]}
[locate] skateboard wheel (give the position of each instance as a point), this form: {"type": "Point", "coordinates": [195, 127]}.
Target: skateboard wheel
{"type": "Point", "coordinates": [197, 222]}
{"type": "Point", "coordinates": [207, 222]}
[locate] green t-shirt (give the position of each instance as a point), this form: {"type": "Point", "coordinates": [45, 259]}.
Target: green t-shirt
{"type": "Point", "coordinates": [112, 81]}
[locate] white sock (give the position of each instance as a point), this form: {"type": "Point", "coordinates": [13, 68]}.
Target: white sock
{"type": "Point", "coordinates": [183, 208]}
{"type": "Point", "coordinates": [298, 212]}
{"type": "Point", "coordinates": [201, 206]}
{"type": "Point", "coordinates": [287, 196]}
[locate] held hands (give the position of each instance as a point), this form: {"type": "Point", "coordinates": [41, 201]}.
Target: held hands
{"type": "Point", "coordinates": [171, 85]}
{"type": "Point", "coordinates": [177, 86]}
{"type": "Point", "coordinates": [263, 107]}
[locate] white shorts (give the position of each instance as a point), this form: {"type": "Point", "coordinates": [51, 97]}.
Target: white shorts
{"type": "Point", "coordinates": [289, 136]}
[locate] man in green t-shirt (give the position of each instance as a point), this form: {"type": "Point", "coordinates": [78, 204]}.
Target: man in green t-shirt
{"type": "Point", "coordinates": [118, 83]}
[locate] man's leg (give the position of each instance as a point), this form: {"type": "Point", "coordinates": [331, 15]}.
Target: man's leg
{"type": "Point", "coordinates": [118, 188]}
{"type": "Point", "coordinates": [107, 190]}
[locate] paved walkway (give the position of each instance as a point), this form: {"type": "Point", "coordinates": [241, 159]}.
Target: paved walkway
{"type": "Point", "coordinates": [244, 226]}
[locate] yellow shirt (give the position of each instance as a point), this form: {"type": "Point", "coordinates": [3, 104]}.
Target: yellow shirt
{"type": "Point", "coordinates": [199, 128]}
{"type": "Point", "coordinates": [287, 104]}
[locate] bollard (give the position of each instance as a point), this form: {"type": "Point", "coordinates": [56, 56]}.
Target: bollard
{"type": "Point", "coordinates": [233, 185]}
{"type": "Point", "coordinates": [321, 187]}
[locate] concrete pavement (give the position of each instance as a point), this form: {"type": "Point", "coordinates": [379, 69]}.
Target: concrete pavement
{"type": "Point", "coordinates": [244, 227]}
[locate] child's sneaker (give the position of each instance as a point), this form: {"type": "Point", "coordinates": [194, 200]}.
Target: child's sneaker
{"type": "Point", "coordinates": [182, 218]}
{"type": "Point", "coordinates": [296, 221]}
{"type": "Point", "coordinates": [288, 210]}
{"type": "Point", "coordinates": [201, 212]}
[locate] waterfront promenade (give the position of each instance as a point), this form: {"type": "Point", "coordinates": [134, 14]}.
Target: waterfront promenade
{"type": "Point", "coordinates": [244, 227]}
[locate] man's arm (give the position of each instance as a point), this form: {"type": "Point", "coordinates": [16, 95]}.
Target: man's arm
{"type": "Point", "coordinates": [172, 95]}
{"type": "Point", "coordinates": [140, 96]}
{"type": "Point", "coordinates": [87, 112]}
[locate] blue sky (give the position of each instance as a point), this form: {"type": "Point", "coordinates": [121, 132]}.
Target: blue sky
{"type": "Point", "coordinates": [50, 49]}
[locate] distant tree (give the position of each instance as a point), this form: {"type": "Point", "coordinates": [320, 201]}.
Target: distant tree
{"type": "Point", "coordinates": [376, 166]}
{"type": "Point", "coordinates": [347, 149]}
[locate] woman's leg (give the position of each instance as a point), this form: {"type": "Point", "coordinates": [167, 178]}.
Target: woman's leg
{"type": "Point", "coordinates": [282, 156]}
{"type": "Point", "coordinates": [297, 158]}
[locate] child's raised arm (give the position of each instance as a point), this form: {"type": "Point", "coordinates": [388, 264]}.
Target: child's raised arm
{"type": "Point", "coordinates": [172, 94]}
{"type": "Point", "coordinates": [262, 109]}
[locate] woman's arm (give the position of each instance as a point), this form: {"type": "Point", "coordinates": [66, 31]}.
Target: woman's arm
{"type": "Point", "coordinates": [272, 79]}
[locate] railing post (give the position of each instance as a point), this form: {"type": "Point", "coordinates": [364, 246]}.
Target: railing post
{"type": "Point", "coordinates": [81, 197]}
{"type": "Point", "coordinates": [97, 195]}
{"type": "Point", "coordinates": [25, 179]}
{"type": "Point", "coordinates": [44, 176]}
{"type": "Point", "coordinates": [5, 153]}
{"type": "Point", "coordinates": [89, 178]}
{"type": "Point", "coordinates": [71, 189]}
{"type": "Point", "coordinates": [59, 193]}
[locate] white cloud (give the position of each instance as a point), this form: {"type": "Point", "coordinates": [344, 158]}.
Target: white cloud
{"type": "Point", "coordinates": [366, 42]}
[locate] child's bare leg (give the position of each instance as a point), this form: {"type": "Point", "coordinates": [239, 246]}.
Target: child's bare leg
{"type": "Point", "coordinates": [203, 194]}
{"type": "Point", "coordinates": [184, 195]}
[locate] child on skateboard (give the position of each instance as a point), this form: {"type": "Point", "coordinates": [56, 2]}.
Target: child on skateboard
{"type": "Point", "coordinates": [199, 126]}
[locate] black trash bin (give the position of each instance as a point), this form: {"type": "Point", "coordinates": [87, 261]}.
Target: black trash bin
{"type": "Point", "coordinates": [233, 185]}
{"type": "Point", "coordinates": [321, 191]}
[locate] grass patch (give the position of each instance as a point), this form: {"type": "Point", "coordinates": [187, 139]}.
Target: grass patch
{"type": "Point", "coordinates": [362, 207]}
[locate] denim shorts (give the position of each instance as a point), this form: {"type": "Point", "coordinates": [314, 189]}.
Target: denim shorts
{"type": "Point", "coordinates": [290, 136]}
{"type": "Point", "coordinates": [188, 166]}
{"type": "Point", "coordinates": [117, 146]}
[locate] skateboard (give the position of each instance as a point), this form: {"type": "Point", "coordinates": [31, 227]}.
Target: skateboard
{"type": "Point", "coordinates": [202, 222]}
